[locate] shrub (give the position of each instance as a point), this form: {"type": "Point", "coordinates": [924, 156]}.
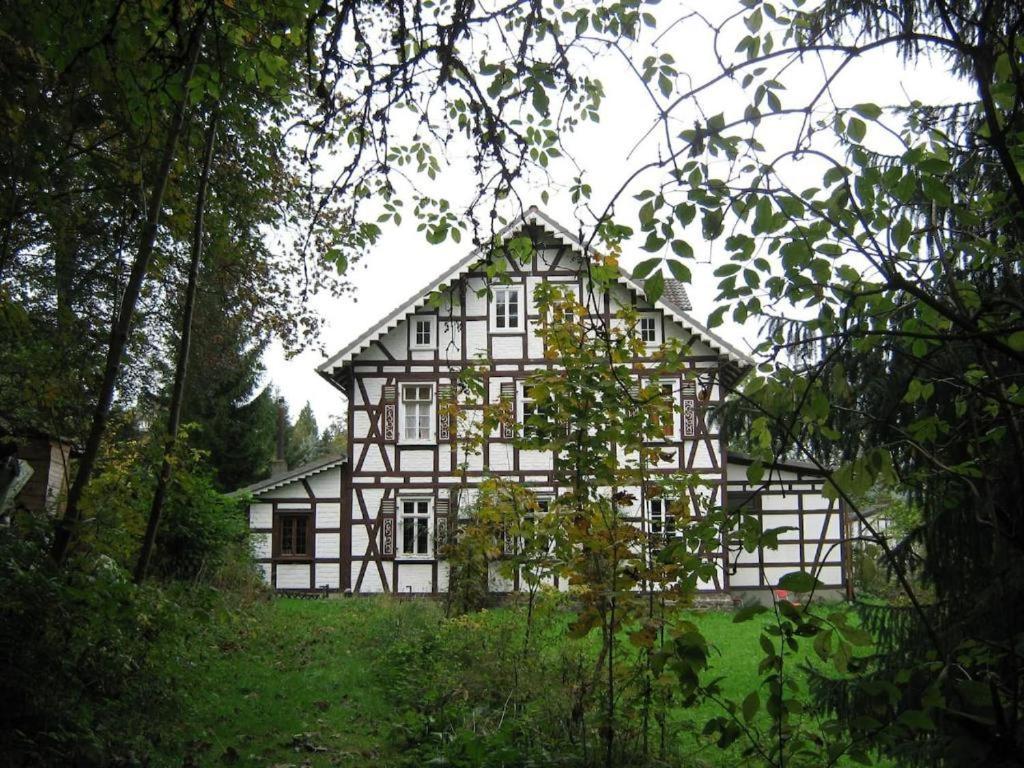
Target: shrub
{"type": "Point", "coordinates": [201, 529]}
{"type": "Point", "coordinates": [86, 657]}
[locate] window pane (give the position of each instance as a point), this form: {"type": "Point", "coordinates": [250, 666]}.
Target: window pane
{"type": "Point", "coordinates": [407, 536]}
{"type": "Point", "coordinates": [286, 536]}
{"type": "Point", "coordinates": [421, 537]}
{"type": "Point", "coordinates": [301, 524]}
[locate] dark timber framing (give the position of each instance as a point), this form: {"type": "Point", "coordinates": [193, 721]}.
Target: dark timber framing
{"type": "Point", "coordinates": [382, 468]}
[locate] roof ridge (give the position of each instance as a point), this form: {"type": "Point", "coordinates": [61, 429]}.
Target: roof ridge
{"type": "Point", "coordinates": [678, 306]}
{"type": "Point", "coordinates": [309, 468]}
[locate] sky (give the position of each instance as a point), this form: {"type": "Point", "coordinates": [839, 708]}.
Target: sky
{"type": "Point", "coordinates": [401, 263]}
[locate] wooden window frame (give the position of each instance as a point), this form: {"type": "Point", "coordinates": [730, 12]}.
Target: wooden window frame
{"type": "Point", "coordinates": [496, 295]}
{"type": "Point", "coordinates": [403, 407]}
{"type": "Point", "coordinates": [283, 518]}
{"type": "Point", "coordinates": [651, 317]}
{"type": "Point", "coordinates": [529, 407]}
{"type": "Point", "coordinates": [414, 335]}
{"type": "Point", "coordinates": [400, 552]}
{"type": "Point", "coordinates": [666, 519]}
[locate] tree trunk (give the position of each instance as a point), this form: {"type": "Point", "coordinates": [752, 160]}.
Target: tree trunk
{"type": "Point", "coordinates": [66, 526]}
{"type": "Point", "coordinates": [181, 370]}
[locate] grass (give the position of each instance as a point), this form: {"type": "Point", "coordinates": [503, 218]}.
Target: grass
{"type": "Point", "coordinates": [324, 683]}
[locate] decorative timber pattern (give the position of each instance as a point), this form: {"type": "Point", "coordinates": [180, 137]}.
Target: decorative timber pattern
{"type": "Point", "coordinates": [816, 540]}
{"type": "Point", "coordinates": [397, 498]}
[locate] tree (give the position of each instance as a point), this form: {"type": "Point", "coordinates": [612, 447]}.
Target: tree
{"type": "Point", "coordinates": [303, 438]}
{"type": "Point", "coordinates": [879, 245]}
{"type": "Point", "coordinates": [100, 180]}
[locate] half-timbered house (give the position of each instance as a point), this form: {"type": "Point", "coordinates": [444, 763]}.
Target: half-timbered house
{"type": "Point", "coordinates": [369, 522]}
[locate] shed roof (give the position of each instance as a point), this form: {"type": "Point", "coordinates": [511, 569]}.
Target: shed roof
{"type": "Point", "coordinates": [301, 472]}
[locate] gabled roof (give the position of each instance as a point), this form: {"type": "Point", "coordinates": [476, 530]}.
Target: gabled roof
{"type": "Point", "coordinates": [314, 467]}
{"type": "Point", "coordinates": [805, 467]}
{"type": "Point", "coordinates": [674, 301]}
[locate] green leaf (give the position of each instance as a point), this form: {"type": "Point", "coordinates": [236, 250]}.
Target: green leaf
{"type": "Point", "coordinates": [916, 720]}
{"type": "Point", "coordinates": [665, 85]}
{"type": "Point", "coordinates": [1016, 341]}
{"type": "Point", "coordinates": [644, 268]}
{"type": "Point", "coordinates": [682, 249]}
{"type": "Point", "coordinates": [751, 704]}
{"type": "Point", "coordinates": [856, 129]}
{"type": "Point", "coordinates": [654, 286]}
{"type": "Point", "coordinates": [753, 21]}
{"type": "Point", "coordinates": [712, 224]}
{"type": "Point", "coordinates": [339, 259]}
{"type": "Point", "coordinates": [747, 612]}
{"type": "Point", "coordinates": [799, 581]}
{"type": "Point", "coordinates": [679, 271]}
{"type": "Point", "coordinates": [901, 232]}
{"type": "Point", "coordinates": [870, 111]}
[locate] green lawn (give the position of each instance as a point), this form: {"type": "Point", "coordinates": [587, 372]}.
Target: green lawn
{"type": "Point", "coordinates": [355, 681]}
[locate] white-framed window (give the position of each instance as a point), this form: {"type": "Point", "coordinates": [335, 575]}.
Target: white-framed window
{"type": "Point", "coordinates": [529, 528]}
{"type": "Point", "coordinates": [649, 328]}
{"type": "Point", "coordinates": [414, 539]}
{"type": "Point", "coordinates": [507, 308]}
{"type": "Point", "coordinates": [424, 332]}
{"type": "Point", "coordinates": [530, 409]}
{"type": "Point", "coordinates": [531, 521]}
{"type": "Point", "coordinates": [417, 413]}
{"type": "Point", "coordinates": [662, 517]}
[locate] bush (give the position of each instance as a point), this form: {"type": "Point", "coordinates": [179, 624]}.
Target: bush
{"type": "Point", "coordinates": [468, 691]}
{"type": "Point", "coordinates": [201, 529]}
{"type": "Point", "coordinates": [86, 658]}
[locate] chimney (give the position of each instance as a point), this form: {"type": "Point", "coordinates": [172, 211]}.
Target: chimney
{"type": "Point", "coordinates": [279, 466]}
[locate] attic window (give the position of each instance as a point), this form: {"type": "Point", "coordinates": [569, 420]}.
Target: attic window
{"type": "Point", "coordinates": [423, 333]}
{"type": "Point", "coordinates": [650, 333]}
{"type": "Point", "coordinates": [507, 308]}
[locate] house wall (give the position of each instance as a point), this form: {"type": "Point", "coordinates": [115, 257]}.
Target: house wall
{"type": "Point", "coordinates": [385, 469]}
{"type": "Point", "coordinates": [817, 539]}
{"type": "Point", "coordinates": [46, 490]}
{"type": "Point", "coordinates": [319, 494]}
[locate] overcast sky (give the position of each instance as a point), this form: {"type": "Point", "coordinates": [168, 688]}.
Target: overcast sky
{"type": "Point", "coordinates": [402, 262]}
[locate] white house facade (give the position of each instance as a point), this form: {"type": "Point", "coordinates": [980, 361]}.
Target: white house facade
{"type": "Point", "coordinates": [368, 522]}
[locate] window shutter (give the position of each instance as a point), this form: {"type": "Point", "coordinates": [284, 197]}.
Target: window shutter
{"type": "Point", "coordinates": [389, 395]}
{"type": "Point", "coordinates": [387, 529]}
{"type": "Point", "coordinates": [689, 393]}
{"type": "Point", "coordinates": [508, 542]}
{"type": "Point", "coordinates": [442, 514]}
{"type": "Point", "coordinates": [445, 410]}
{"type": "Point", "coordinates": [508, 396]}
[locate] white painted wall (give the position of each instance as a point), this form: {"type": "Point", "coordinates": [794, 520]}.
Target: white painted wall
{"type": "Point", "coordinates": [292, 576]}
